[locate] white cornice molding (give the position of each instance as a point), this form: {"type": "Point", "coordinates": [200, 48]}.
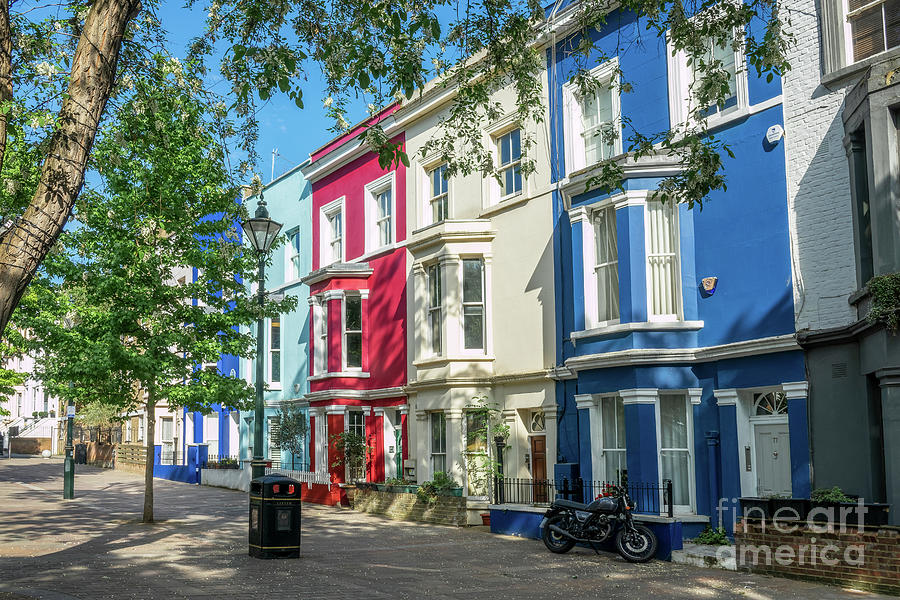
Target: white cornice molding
{"type": "Point", "coordinates": [796, 389]}
{"type": "Point", "coordinates": [726, 397]}
{"type": "Point", "coordinates": [340, 394]}
{"type": "Point", "coordinates": [655, 356]}
{"type": "Point", "coordinates": [448, 232]}
{"type": "Point", "coordinates": [696, 395]}
{"type": "Point", "coordinates": [339, 271]}
{"type": "Point", "coordinates": [336, 409]}
{"type": "Point", "coordinates": [638, 326]}
{"type": "Point", "coordinates": [585, 401]}
{"type": "Point", "coordinates": [639, 396]}
{"type": "Point", "coordinates": [333, 295]}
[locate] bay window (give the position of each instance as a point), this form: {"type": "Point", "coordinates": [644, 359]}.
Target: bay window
{"type": "Point", "coordinates": [320, 326]}
{"type": "Point", "coordinates": [473, 303]}
{"type": "Point", "coordinates": [435, 308]}
{"type": "Point", "coordinates": [663, 272]}
{"type": "Point", "coordinates": [606, 266]}
{"type": "Point", "coordinates": [438, 443]}
{"type": "Point", "coordinates": [275, 350]}
{"type": "Point", "coordinates": [612, 443]}
{"type": "Point", "coordinates": [352, 332]}
{"type": "Point", "coordinates": [675, 423]}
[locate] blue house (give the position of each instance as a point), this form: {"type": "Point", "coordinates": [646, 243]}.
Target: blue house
{"type": "Point", "coordinates": [675, 329]}
{"type": "Point", "coordinates": [289, 200]}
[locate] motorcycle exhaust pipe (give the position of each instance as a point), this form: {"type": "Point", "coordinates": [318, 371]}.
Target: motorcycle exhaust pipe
{"type": "Point", "coordinates": [557, 529]}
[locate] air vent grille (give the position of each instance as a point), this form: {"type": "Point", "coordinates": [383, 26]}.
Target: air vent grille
{"type": "Point", "coordinates": [838, 370]}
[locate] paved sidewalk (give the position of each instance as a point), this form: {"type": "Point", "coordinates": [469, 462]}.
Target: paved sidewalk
{"type": "Point", "coordinates": [94, 547]}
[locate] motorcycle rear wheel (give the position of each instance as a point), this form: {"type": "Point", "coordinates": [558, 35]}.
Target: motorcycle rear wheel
{"type": "Point", "coordinates": [555, 542]}
{"type": "Point", "coordinates": [637, 546]}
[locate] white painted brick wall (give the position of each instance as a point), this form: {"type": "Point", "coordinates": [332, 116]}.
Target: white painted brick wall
{"type": "Point", "coordinates": [818, 181]}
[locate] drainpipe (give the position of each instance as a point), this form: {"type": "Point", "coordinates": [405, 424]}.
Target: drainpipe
{"type": "Point", "coordinates": [712, 455]}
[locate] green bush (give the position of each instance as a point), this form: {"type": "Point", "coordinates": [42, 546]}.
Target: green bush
{"type": "Point", "coordinates": [428, 490]}
{"type": "Point", "coordinates": [713, 537]}
{"type": "Point", "coordinates": [834, 494]}
{"type": "Point", "coordinates": [885, 292]}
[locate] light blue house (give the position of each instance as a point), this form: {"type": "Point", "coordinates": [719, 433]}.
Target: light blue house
{"type": "Point", "coordinates": [675, 330]}
{"type": "Point", "coordinates": [289, 200]}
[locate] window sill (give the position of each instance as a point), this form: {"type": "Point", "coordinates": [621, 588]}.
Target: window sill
{"type": "Point", "coordinates": [504, 204]}
{"type": "Point", "coordinates": [858, 67]}
{"type": "Point", "coordinates": [344, 374]}
{"type": "Point", "coordinates": [432, 361]}
{"type": "Point", "coordinates": [273, 387]}
{"type": "Point", "coordinates": [640, 326]}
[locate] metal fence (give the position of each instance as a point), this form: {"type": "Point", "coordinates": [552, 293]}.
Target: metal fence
{"type": "Point", "coordinates": [649, 498]}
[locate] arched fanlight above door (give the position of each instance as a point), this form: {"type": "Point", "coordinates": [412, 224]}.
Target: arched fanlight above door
{"type": "Point", "coordinates": [770, 404]}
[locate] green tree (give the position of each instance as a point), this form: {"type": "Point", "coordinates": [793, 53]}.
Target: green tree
{"type": "Point", "coordinates": [58, 73]}
{"type": "Point", "coordinates": [149, 286]}
{"type": "Point", "coordinates": [292, 430]}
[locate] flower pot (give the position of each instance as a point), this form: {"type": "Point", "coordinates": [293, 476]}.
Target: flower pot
{"type": "Point", "coordinates": [485, 518]}
{"type": "Point", "coordinates": [451, 492]}
{"type": "Point", "coordinates": [789, 509]}
{"type": "Point", "coordinates": [756, 508]}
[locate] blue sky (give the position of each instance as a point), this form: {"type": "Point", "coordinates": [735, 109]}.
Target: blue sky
{"type": "Point", "coordinates": [294, 132]}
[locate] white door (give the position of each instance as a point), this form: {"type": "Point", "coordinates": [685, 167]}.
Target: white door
{"type": "Point", "coordinates": [773, 459]}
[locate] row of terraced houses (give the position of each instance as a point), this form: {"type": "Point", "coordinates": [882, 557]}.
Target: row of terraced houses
{"type": "Point", "coordinates": [725, 349]}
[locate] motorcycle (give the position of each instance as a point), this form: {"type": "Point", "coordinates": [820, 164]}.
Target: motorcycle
{"type": "Point", "coordinates": [567, 523]}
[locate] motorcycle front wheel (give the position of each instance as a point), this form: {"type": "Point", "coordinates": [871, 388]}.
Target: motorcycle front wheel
{"type": "Point", "coordinates": [638, 545]}
{"type": "Point", "coordinates": [554, 541]}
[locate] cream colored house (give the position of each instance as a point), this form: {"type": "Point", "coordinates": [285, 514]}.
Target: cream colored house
{"type": "Point", "coordinates": [480, 300]}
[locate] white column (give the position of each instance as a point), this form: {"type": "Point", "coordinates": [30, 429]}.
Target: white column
{"type": "Point", "coordinates": [321, 440]}
{"type": "Point", "coordinates": [423, 470]}
{"type": "Point", "coordinates": [419, 326]}
{"type": "Point", "coordinates": [550, 427]}
{"type": "Point", "coordinates": [488, 306]}
{"type": "Point", "coordinates": [452, 303]}
{"type": "Point", "coordinates": [455, 444]}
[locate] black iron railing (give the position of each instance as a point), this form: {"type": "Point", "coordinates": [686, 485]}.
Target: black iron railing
{"type": "Point", "coordinates": [649, 498]}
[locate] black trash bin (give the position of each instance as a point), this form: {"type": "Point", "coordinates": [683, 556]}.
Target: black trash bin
{"type": "Point", "coordinates": [275, 517]}
{"type": "Point", "coordinates": [80, 454]}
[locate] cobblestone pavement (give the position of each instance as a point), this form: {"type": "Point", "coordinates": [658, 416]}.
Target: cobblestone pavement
{"type": "Point", "coordinates": [95, 547]}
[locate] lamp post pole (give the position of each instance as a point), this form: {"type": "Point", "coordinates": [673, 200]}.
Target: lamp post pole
{"type": "Point", "coordinates": [258, 464]}
{"type": "Point", "coordinates": [262, 232]}
{"type": "Point", "coordinates": [69, 467]}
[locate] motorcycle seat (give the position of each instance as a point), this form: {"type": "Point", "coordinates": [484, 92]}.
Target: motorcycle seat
{"type": "Point", "coordinates": [569, 504]}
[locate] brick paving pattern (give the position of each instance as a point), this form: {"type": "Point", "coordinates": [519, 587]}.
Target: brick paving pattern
{"type": "Point", "coordinates": [94, 547]}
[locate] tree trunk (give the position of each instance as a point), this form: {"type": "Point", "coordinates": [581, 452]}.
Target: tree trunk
{"type": "Point", "coordinates": [24, 246]}
{"type": "Point", "coordinates": [148, 465]}
{"type": "Point", "coordinates": [5, 71]}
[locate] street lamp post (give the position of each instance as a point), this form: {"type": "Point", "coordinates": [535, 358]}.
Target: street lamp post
{"type": "Point", "coordinates": [69, 467]}
{"type": "Point", "coordinates": [262, 232]}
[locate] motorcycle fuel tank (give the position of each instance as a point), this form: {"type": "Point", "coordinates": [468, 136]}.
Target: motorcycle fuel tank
{"type": "Point", "coordinates": [604, 505]}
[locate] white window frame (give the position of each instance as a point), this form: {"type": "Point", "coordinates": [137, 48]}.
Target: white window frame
{"type": "Point", "coordinates": [677, 291]}
{"type": "Point", "coordinates": [573, 118]}
{"type": "Point", "coordinates": [326, 239]}
{"type": "Point", "coordinates": [681, 77]}
{"type": "Point", "coordinates": [512, 164]}
{"type": "Point", "coordinates": [210, 433]}
{"type": "Point", "coordinates": [464, 304]}
{"type": "Point", "coordinates": [692, 475]}
{"type": "Point", "coordinates": [320, 341]}
{"type": "Point", "coordinates": [345, 331]}
{"type": "Point", "coordinates": [601, 469]}
{"type": "Point", "coordinates": [275, 385]}
{"type": "Point", "coordinates": [431, 308]}
{"type": "Point", "coordinates": [385, 183]}
{"type": "Point", "coordinates": [292, 256]}
{"type": "Point", "coordinates": [431, 452]}
{"type": "Point", "coordinates": [848, 29]}
{"type": "Point", "coordinates": [429, 198]}
{"type": "Point", "coordinates": [596, 266]}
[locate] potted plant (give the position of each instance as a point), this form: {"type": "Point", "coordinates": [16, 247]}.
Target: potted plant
{"type": "Point", "coordinates": [486, 519]}
{"type": "Point", "coordinates": [442, 485]}
{"type": "Point", "coordinates": [837, 505]}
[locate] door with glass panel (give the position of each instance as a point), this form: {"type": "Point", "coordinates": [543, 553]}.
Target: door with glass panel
{"type": "Point", "coordinates": [675, 456]}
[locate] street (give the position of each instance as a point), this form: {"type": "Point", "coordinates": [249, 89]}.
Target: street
{"type": "Point", "coordinates": [95, 547]}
